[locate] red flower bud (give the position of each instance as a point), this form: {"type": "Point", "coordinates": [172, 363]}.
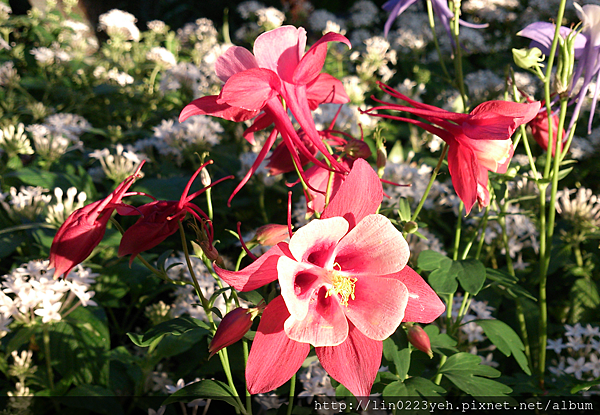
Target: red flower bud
{"type": "Point", "coordinates": [271, 234]}
{"type": "Point", "coordinates": [539, 130]}
{"type": "Point", "coordinates": [418, 338]}
{"type": "Point", "coordinates": [233, 327]}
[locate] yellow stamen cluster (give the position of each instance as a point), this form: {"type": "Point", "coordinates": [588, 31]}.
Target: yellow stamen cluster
{"type": "Point", "coordinates": [344, 286]}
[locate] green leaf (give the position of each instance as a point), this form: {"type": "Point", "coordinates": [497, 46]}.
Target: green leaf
{"type": "Point", "coordinates": [507, 284]}
{"type": "Point", "coordinates": [477, 386]}
{"type": "Point", "coordinates": [507, 341]}
{"type": "Point", "coordinates": [443, 280]}
{"type": "Point", "coordinates": [251, 296]}
{"type": "Point", "coordinates": [175, 327]}
{"type": "Point", "coordinates": [469, 375]}
{"type": "Point", "coordinates": [467, 363]}
{"type": "Point", "coordinates": [400, 358]}
{"type": "Point", "coordinates": [585, 386]}
{"type": "Point", "coordinates": [431, 260]}
{"type": "Point", "coordinates": [207, 389]}
{"type": "Point", "coordinates": [404, 209]}
{"type": "Point", "coordinates": [584, 298]}
{"type": "Point", "coordinates": [424, 387]}
{"type": "Point", "coordinates": [79, 346]}
{"type": "Point", "coordinates": [470, 274]}
{"type": "Point", "coordinates": [439, 340]}
{"type": "Point", "coordinates": [8, 243]}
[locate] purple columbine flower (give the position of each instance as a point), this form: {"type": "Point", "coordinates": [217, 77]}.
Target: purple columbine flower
{"type": "Point", "coordinates": [440, 8]}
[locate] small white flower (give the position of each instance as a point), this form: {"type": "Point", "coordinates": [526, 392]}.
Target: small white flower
{"type": "Point", "coordinates": [119, 23]}
{"type": "Point", "coordinates": [593, 365]}
{"type": "Point", "coordinates": [556, 345]}
{"type": "Point", "coordinates": [162, 56]}
{"type": "Point", "coordinates": [575, 367]}
{"type": "Point", "coordinates": [49, 311]}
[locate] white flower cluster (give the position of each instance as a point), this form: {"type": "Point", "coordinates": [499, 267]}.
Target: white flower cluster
{"type": "Point", "coordinates": [320, 20]}
{"type": "Point", "coordinates": [583, 210]}
{"type": "Point", "coordinates": [121, 78]}
{"type": "Point", "coordinates": [413, 34]}
{"type": "Point", "coordinates": [30, 290]}
{"type": "Point", "coordinates": [118, 166]}
{"type": "Point", "coordinates": [172, 138]}
{"type": "Point", "coordinates": [161, 56]}
{"type": "Point", "coordinates": [183, 75]}
{"type": "Point", "coordinates": [49, 56]}
{"type": "Point", "coordinates": [62, 208]}
{"type": "Point", "coordinates": [375, 58]}
{"type": "Point", "coordinates": [364, 13]}
{"type": "Point", "coordinates": [13, 140]}
{"type": "Point", "coordinates": [490, 10]}
{"type": "Point", "coordinates": [261, 173]}
{"type": "Point", "coordinates": [8, 74]}
{"type": "Point", "coordinates": [583, 349]}
{"type": "Point", "coordinates": [28, 202]}
{"type": "Point", "coordinates": [441, 196]}
{"type": "Point", "coordinates": [118, 23]}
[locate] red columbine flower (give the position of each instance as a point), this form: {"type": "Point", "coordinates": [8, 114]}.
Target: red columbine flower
{"type": "Point", "coordinates": [84, 228]}
{"type": "Point", "coordinates": [478, 142]}
{"type": "Point", "coordinates": [345, 287]}
{"type": "Point", "coordinates": [539, 130]}
{"type": "Point", "coordinates": [278, 69]}
{"type": "Point", "coordinates": [161, 218]}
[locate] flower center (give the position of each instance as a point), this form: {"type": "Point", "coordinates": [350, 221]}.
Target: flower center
{"type": "Point", "coordinates": [342, 285]}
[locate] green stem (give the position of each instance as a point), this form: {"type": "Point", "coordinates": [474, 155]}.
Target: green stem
{"type": "Point", "coordinates": [457, 232]}
{"type": "Point", "coordinates": [46, 339]}
{"type": "Point", "coordinates": [209, 205]}
{"type": "Point", "coordinates": [438, 377]}
{"type": "Point", "coordinates": [227, 368]}
{"type": "Point", "coordinates": [248, 396]}
{"type": "Point", "coordinates": [457, 58]}
{"type": "Point", "coordinates": [430, 184]}
{"type": "Point", "coordinates": [188, 261]}
{"type": "Point", "coordinates": [292, 394]}
{"type": "Point", "coordinates": [26, 226]}
{"type": "Point", "coordinates": [435, 39]}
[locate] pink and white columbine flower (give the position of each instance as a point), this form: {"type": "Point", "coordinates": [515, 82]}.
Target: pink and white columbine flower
{"type": "Point", "coordinates": [345, 288]}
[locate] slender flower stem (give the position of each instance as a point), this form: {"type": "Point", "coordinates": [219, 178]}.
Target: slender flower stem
{"type": "Point", "coordinates": [430, 184]}
{"type": "Point", "coordinates": [248, 396]}
{"type": "Point", "coordinates": [435, 39]}
{"type": "Point", "coordinates": [292, 394]}
{"type": "Point", "coordinates": [438, 377]}
{"type": "Point", "coordinates": [457, 232]}
{"type": "Point", "coordinates": [457, 58]}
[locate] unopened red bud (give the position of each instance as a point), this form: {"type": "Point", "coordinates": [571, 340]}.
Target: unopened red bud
{"type": "Point", "coordinates": [233, 327]}
{"type": "Point", "coordinates": [271, 234]}
{"type": "Point", "coordinates": [357, 149]}
{"type": "Point", "coordinates": [418, 338]}
{"type": "Point", "coordinates": [210, 251]}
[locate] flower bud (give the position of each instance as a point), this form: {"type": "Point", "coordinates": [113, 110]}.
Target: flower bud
{"type": "Point", "coordinates": [381, 155]}
{"type": "Point", "coordinates": [539, 129]}
{"type": "Point", "coordinates": [411, 227]}
{"type": "Point", "coordinates": [528, 58]}
{"type": "Point", "coordinates": [419, 339]}
{"type": "Point", "coordinates": [357, 149]}
{"type": "Point", "coordinates": [233, 327]}
{"type": "Point", "coordinates": [271, 234]}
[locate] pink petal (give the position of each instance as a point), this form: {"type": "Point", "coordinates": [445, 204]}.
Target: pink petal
{"type": "Point", "coordinates": [353, 363]}
{"type": "Point", "coordinates": [250, 89]}
{"type": "Point", "coordinates": [374, 246]}
{"type": "Point", "coordinates": [235, 59]}
{"type": "Point", "coordinates": [316, 241]}
{"type": "Point", "coordinates": [354, 205]}
{"type": "Point", "coordinates": [260, 123]}
{"type": "Point", "coordinates": [324, 325]}
{"type": "Point", "coordinates": [464, 171]}
{"type": "Point", "coordinates": [483, 194]}
{"type": "Point", "coordinates": [494, 155]}
{"type": "Point", "coordinates": [260, 272]}
{"type": "Point", "coordinates": [312, 62]}
{"type": "Point", "coordinates": [280, 50]}
{"type": "Point", "coordinates": [378, 306]}
{"type": "Point", "coordinates": [298, 281]}
{"type": "Point", "coordinates": [423, 305]}
{"type": "Point", "coordinates": [274, 358]}
{"type": "Point", "coordinates": [208, 106]}
{"type": "Point", "coordinates": [325, 89]}
{"type": "Point", "coordinates": [497, 120]}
